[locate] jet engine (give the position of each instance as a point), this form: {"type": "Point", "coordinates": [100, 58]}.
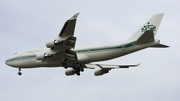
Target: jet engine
{"type": "Point", "coordinates": [100, 72]}
{"type": "Point", "coordinates": [43, 56]}
{"type": "Point", "coordinates": [54, 43]}
{"type": "Point", "coordinates": [69, 72]}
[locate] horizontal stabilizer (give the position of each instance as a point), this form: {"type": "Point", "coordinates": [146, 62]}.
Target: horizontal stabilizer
{"type": "Point", "coordinates": [160, 46]}
{"type": "Point", "coordinates": [145, 38]}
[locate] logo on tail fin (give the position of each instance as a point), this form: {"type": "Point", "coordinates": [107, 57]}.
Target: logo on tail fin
{"type": "Point", "coordinates": [148, 27]}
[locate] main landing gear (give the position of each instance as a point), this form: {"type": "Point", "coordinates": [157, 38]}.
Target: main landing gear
{"type": "Point", "coordinates": [77, 67]}
{"type": "Point", "coordinates": [64, 64]}
{"type": "Point", "coordinates": [19, 72]}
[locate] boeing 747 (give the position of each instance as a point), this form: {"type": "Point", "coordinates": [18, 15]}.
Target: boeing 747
{"type": "Point", "coordinates": [60, 52]}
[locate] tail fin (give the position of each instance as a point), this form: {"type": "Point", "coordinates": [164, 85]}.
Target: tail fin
{"type": "Point", "coordinates": [148, 37]}
{"type": "Point", "coordinates": [145, 38]}
{"type": "Point", "coordinates": [152, 24]}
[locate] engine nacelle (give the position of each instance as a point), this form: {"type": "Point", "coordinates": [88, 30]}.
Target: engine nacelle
{"type": "Point", "coordinates": [43, 56]}
{"type": "Point", "coordinates": [69, 72]}
{"type": "Point", "coordinates": [54, 43]}
{"type": "Point", "coordinates": [100, 72]}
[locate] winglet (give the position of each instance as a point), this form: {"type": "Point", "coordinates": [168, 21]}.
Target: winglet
{"type": "Point", "coordinates": [139, 63]}
{"type": "Point", "coordinates": [135, 65]}
{"type": "Point", "coordinates": [74, 17]}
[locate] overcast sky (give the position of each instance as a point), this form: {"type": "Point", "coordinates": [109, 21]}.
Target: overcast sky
{"type": "Point", "coordinates": [29, 24]}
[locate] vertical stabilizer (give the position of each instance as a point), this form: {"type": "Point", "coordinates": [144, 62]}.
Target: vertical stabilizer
{"type": "Point", "coordinates": [152, 24]}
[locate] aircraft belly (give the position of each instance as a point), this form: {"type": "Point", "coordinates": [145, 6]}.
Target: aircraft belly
{"type": "Point", "coordinates": [30, 63]}
{"type": "Point", "coordinates": [83, 58]}
{"type": "Point", "coordinates": [52, 64]}
{"type": "Point", "coordinates": [33, 63]}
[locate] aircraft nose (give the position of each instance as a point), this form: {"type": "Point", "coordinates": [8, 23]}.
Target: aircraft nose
{"type": "Point", "coordinates": [8, 63]}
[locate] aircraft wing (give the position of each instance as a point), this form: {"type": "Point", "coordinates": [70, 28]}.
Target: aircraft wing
{"type": "Point", "coordinates": [106, 66]}
{"type": "Point", "coordinates": [66, 38]}
{"type": "Point", "coordinates": [61, 47]}
{"type": "Point", "coordinates": [69, 27]}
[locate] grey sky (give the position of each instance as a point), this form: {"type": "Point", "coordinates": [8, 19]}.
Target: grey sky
{"type": "Point", "coordinates": [29, 24]}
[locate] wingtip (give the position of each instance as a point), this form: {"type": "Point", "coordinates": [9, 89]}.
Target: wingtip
{"type": "Point", "coordinates": [77, 13]}
{"type": "Point", "coordinates": [160, 14]}
{"type": "Point", "coordinates": [139, 63]}
{"type": "Point", "coordinates": [75, 16]}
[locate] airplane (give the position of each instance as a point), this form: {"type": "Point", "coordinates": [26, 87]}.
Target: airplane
{"type": "Point", "coordinates": [60, 52]}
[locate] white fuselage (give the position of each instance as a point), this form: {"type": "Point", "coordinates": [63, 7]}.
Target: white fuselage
{"type": "Point", "coordinates": [27, 59]}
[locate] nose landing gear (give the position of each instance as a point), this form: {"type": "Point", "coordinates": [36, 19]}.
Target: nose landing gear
{"type": "Point", "coordinates": [19, 72]}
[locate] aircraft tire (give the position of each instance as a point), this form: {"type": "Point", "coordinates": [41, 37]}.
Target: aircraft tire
{"type": "Point", "coordinates": [19, 73]}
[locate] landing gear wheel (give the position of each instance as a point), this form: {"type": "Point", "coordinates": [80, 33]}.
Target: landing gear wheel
{"type": "Point", "coordinates": [65, 66]}
{"type": "Point", "coordinates": [19, 73]}
{"type": "Point", "coordinates": [78, 73]}
{"type": "Point", "coordinates": [78, 68]}
{"type": "Point", "coordinates": [81, 69]}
